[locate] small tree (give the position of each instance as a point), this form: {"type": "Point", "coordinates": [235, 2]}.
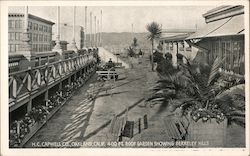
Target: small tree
{"type": "Point", "coordinates": [135, 43]}
{"type": "Point", "coordinates": [131, 52]}
{"type": "Point", "coordinates": [155, 31]}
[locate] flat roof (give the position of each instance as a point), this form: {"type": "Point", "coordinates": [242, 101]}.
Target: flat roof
{"type": "Point", "coordinates": [32, 17]}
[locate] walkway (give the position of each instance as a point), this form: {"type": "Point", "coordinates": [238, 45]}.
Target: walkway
{"type": "Point", "coordinates": [81, 119]}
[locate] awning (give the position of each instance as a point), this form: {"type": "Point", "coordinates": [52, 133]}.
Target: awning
{"type": "Point", "coordinates": [175, 38]}
{"type": "Point", "coordinates": [225, 27]}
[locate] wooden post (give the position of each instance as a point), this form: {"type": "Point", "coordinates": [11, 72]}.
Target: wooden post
{"type": "Point", "coordinates": [145, 121]}
{"type": "Point", "coordinates": [80, 72]}
{"type": "Point", "coordinates": [75, 76]}
{"type": "Point", "coordinates": [139, 125]}
{"type": "Point", "coordinates": [60, 88]}
{"type": "Point", "coordinates": [29, 105]}
{"type": "Point", "coordinates": [39, 61]}
{"type": "Point", "coordinates": [14, 88]}
{"type": "Point", "coordinates": [69, 80]}
{"type": "Point", "coordinates": [46, 97]}
{"type": "Point", "coordinates": [38, 77]}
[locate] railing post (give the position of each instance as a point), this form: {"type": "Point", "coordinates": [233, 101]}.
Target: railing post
{"type": "Point", "coordinates": [38, 77]}
{"type": "Point", "coordinates": [54, 71]}
{"type": "Point", "coordinates": [14, 88]}
{"type": "Point", "coordinates": [29, 82]}
{"type": "Point", "coordinates": [60, 68]}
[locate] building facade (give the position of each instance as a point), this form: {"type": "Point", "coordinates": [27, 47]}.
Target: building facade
{"type": "Point", "coordinates": [223, 36]}
{"type": "Point", "coordinates": [173, 42]}
{"type": "Point", "coordinates": [39, 29]}
{"type": "Point", "coordinates": [66, 34]}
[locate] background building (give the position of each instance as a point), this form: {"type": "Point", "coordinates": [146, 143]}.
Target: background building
{"type": "Point", "coordinates": [40, 32]}
{"type": "Point", "coordinates": [173, 42]}
{"type": "Point", "coordinates": [223, 36]}
{"type": "Point", "coordinates": [66, 34]}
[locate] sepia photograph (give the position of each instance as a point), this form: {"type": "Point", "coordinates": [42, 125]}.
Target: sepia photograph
{"type": "Point", "coordinates": [126, 76]}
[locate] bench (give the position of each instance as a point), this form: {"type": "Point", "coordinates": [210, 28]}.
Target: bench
{"type": "Point", "coordinates": [116, 128]}
{"type": "Point", "coordinates": [176, 128]}
{"type": "Point", "coordinates": [118, 65]}
{"type": "Point", "coordinates": [107, 75]}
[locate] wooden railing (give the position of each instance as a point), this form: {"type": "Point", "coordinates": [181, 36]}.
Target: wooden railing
{"type": "Point", "coordinates": [23, 84]}
{"type": "Point", "coordinates": [14, 60]}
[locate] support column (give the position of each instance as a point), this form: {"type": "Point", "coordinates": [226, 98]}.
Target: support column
{"type": "Point", "coordinates": [46, 97]}
{"type": "Point", "coordinates": [29, 105]}
{"type": "Point", "coordinates": [25, 48]}
{"type": "Point", "coordinates": [58, 47]}
{"type": "Point", "coordinates": [174, 54]}
{"type": "Point", "coordinates": [86, 30]}
{"type": "Point", "coordinates": [60, 87]}
{"type": "Point", "coordinates": [73, 44]}
{"type": "Point", "coordinates": [69, 80]}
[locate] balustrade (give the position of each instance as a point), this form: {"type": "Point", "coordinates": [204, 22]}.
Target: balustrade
{"type": "Point", "coordinates": [25, 83]}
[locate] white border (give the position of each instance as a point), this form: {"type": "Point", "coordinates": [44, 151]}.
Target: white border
{"type": "Point", "coordinates": [108, 151]}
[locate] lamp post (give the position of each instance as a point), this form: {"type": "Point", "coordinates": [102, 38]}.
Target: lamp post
{"type": "Point", "coordinates": [101, 30]}
{"type": "Point", "coordinates": [90, 35]}
{"type": "Point", "coordinates": [58, 46]}
{"type": "Point", "coordinates": [98, 34]}
{"type": "Point", "coordinates": [26, 47]}
{"type": "Point", "coordinates": [73, 44]}
{"type": "Point", "coordinates": [95, 31]}
{"type": "Point", "coordinates": [85, 33]}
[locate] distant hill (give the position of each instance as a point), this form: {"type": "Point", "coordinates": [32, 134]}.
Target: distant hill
{"type": "Point", "coordinates": [119, 41]}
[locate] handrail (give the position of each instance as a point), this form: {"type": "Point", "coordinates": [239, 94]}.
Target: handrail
{"type": "Point", "coordinates": [50, 64]}
{"type": "Point", "coordinates": [27, 81]}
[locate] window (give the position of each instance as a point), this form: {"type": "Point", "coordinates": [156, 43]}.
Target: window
{"type": "Point", "coordinates": [35, 26]}
{"type": "Point", "coordinates": [35, 37]}
{"type": "Point", "coordinates": [40, 37]}
{"type": "Point", "coordinates": [34, 47]}
{"type": "Point", "coordinates": [39, 48]}
{"type": "Point", "coordinates": [9, 47]}
{"type": "Point", "coordinates": [45, 29]}
{"type": "Point", "coordinates": [12, 48]}
{"type": "Point", "coordinates": [17, 47]}
{"type": "Point", "coordinates": [40, 27]}
{"type": "Point", "coordinates": [30, 25]}
{"type": "Point", "coordinates": [12, 36]}
{"type": "Point", "coordinates": [11, 24]}
{"type": "Point", "coordinates": [30, 36]}
{"type": "Point", "coordinates": [17, 36]}
{"type": "Point", "coordinates": [17, 24]}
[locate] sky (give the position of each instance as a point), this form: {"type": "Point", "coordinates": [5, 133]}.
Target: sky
{"type": "Point", "coordinates": [121, 18]}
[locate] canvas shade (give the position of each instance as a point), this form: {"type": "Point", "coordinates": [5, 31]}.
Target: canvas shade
{"type": "Point", "coordinates": [225, 27]}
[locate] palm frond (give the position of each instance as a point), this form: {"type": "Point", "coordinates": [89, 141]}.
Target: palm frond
{"type": "Point", "coordinates": [215, 69]}
{"type": "Point", "coordinates": [235, 113]}
{"type": "Point", "coordinates": [154, 29]}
